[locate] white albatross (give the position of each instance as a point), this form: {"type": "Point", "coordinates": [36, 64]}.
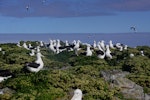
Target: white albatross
{"type": "Point", "coordinates": [77, 47]}
{"type": "Point", "coordinates": [66, 43]}
{"type": "Point", "coordinates": [100, 54]}
{"type": "Point", "coordinates": [119, 46]}
{"type": "Point", "coordinates": [25, 46]}
{"type": "Point", "coordinates": [111, 44]}
{"type": "Point", "coordinates": [51, 46]}
{"type": "Point", "coordinates": [102, 44]}
{"type": "Point", "coordinates": [37, 65]}
{"type": "Point", "coordinates": [32, 53]}
{"type": "Point", "coordinates": [41, 44]}
{"type": "Point", "coordinates": [142, 53]}
{"type": "Point", "coordinates": [77, 95]}
{"type": "Point", "coordinates": [108, 52]}
{"type": "Point", "coordinates": [88, 50]}
{"type": "Point", "coordinates": [18, 44]}
{"type": "Point", "coordinates": [4, 75]}
{"type": "Point", "coordinates": [94, 45]}
{"type": "Point", "coordinates": [131, 55]}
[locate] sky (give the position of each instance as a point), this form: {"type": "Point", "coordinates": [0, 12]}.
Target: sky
{"type": "Point", "coordinates": [74, 16]}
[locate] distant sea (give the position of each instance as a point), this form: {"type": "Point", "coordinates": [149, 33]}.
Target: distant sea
{"type": "Point", "coordinates": [130, 39]}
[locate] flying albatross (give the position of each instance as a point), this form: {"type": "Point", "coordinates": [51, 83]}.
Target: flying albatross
{"type": "Point", "coordinates": [133, 28]}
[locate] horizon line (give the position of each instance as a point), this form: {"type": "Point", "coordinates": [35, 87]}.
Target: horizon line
{"type": "Point", "coordinates": [77, 33]}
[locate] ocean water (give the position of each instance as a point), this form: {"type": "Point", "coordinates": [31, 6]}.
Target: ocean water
{"type": "Point", "coordinates": [130, 39]}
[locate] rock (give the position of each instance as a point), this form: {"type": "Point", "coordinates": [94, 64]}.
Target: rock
{"type": "Point", "coordinates": [127, 87]}
{"type": "Point", "coordinates": [6, 90]}
{"type": "Point", "coordinates": [147, 97]}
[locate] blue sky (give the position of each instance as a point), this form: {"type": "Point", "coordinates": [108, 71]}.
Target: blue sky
{"type": "Point", "coordinates": [74, 16]}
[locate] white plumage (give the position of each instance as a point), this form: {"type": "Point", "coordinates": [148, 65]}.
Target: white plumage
{"type": "Point", "coordinates": [37, 65]}
{"type": "Point", "coordinates": [25, 46]}
{"type": "Point", "coordinates": [94, 44]}
{"type": "Point", "coordinates": [32, 52]}
{"type": "Point", "coordinates": [88, 51]}
{"type": "Point", "coordinates": [102, 44]}
{"type": "Point", "coordinates": [51, 46]}
{"type": "Point", "coordinates": [108, 52]}
{"type": "Point", "coordinates": [77, 95]}
{"type": "Point", "coordinates": [4, 75]}
{"type": "Point", "coordinates": [111, 44]}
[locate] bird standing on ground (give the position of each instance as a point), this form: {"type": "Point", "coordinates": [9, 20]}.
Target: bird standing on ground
{"type": "Point", "coordinates": [37, 65]}
{"type": "Point", "coordinates": [25, 46]}
{"type": "Point", "coordinates": [5, 74]}
{"type": "Point", "coordinates": [51, 46]}
{"type": "Point", "coordinates": [108, 52]}
{"type": "Point", "coordinates": [94, 45]}
{"type": "Point", "coordinates": [32, 52]}
{"type": "Point", "coordinates": [88, 51]}
{"type": "Point", "coordinates": [77, 47]}
{"type": "Point", "coordinates": [111, 44]}
{"type": "Point", "coordinates": [100, 54]}
{"type": "Point", "coordinates": [77, 95]}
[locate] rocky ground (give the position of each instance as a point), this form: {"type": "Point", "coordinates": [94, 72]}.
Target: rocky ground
{"type": "Point", "coordinates": [128, 88]}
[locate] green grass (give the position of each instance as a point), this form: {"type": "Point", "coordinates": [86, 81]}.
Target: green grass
{"type": "Point", "coordinates": [67, 72]}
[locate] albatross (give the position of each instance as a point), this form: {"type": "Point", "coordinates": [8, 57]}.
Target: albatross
{"type": "Point", "coordinates": [108, 52]}
{"type": "Point", "coordinates": [37, 65]}
{"type": "Point", "coordinates": [5, 74]}
{"type": "Point", "coordinates": [32, 52]}
{"type": "Point", "coordinates": [27, 7]}
{"type": "Point", "coordinates": [77, 95]}
{"type": "Point", "coordinates": [88, 51]}
{"type": "Point", "coordinates": [111, 44]}
{"type": "Point", "coordinates": [100, 54]}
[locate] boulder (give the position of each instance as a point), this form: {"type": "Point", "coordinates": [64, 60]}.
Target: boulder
{"type": "Point", "coordinates": [127, 87]}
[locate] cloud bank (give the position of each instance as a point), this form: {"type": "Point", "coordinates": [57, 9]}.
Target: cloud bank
{"type": "Point", "coordinates": [70, 8]}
